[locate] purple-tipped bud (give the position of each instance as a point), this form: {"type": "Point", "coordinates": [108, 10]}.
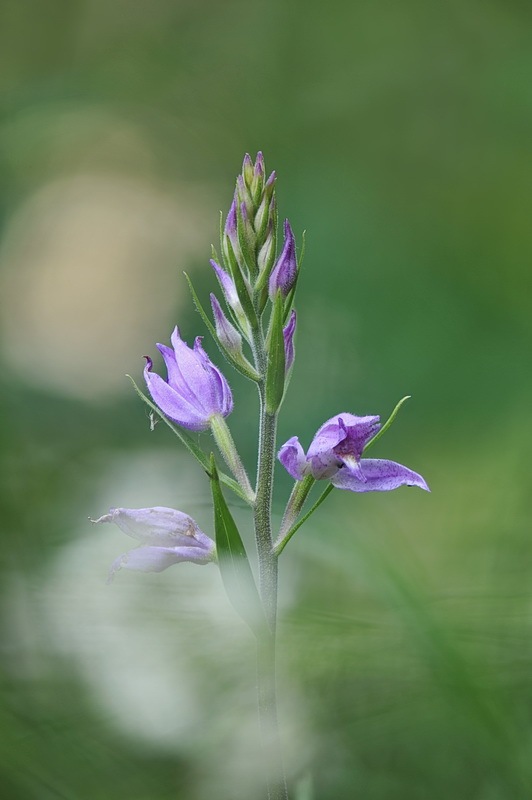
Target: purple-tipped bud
{"type": "Point", "coordinates": [230, 222]}
{"type": "Point", "coordinates": [247, 169]}
{"type": "Point", "coordinates": [228, 287]}
{"type": "Point", "coordinates": [243, 195]}
{"type": "Point", "coordinates": [227, 334]}
{"type": "Point", "coordinates": [230, 229]}
{"type": "Point", "coordinates": [247, 227]}
{"type": "Point", "coordinates": [269, 186]}
{"type": "Point", "coordinates": [258, 178]}
{"type": "Point", "coordinates": [288, 334]}
{"type": "Point", "coordinates": [230, 243]}
{"type": "Point", "coordinates": [259, 164]}
{"type": "Point", "coordinates": [284, 272]}
{"type": "Point", "coordinates": [265, 217]}
{"type": "Point", "coordinates": [195, 389]}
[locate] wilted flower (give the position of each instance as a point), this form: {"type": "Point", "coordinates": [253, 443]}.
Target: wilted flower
{"type": "Point", "coordinates": [167, 537]}
{"type": "Point", "coordinates": [195, 390]}
{"type": "Point", "coordinates": [285, 270]}
{"type": "Point", "coordinates": [335, 453]}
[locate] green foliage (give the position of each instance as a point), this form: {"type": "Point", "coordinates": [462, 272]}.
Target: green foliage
{"type": "Point", "coordinates": [233, 561]}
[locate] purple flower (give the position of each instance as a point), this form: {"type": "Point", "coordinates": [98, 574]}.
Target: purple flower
{"type": "Point", "coordinates": [284, 272]}
{"type": "Point", "coordinates": [167, 537]}
{"type": "Point", "coordinates": [335, 453]}
{"type": "Point", "coordinates": [195, 390]}
{"type": "Point", "coordinates": [288, 334]}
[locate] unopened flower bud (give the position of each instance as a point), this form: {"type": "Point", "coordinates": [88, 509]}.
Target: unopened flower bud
{"type": "Point", "coordinates": [265, 217]}
{"type": "Point", "coordinates": [269, 186]}
{"type": "Point", "coordinates": [228, 288]}
{"type": "Point", "coordinates": [230, 242]}
{"type": "Point", "coordinates": [248, 170]}
{"type": "Point", "coordinates": [243, 195]}
{"type": "Point", "coordinates": [247, 231]}
{"type": "Point", "coordinates": [284, 272]}
{"type": "Point", "coordinates": [258, 178]}
{"type": "Point", "coordinates": [266, 254]}
{"type": "Point", "coordinates": [288, 335]}
{"type": "Point", "coordinates": [228, 335]}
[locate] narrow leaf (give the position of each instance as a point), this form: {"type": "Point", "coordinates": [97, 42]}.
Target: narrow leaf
{"type": "Point", "coordinates": [388, 422]}
{"type": "Point", "coordinates": [234, 566]}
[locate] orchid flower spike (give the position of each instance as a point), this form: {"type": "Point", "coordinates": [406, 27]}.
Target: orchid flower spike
{"type": "Point", "coordinates": [335, 454]}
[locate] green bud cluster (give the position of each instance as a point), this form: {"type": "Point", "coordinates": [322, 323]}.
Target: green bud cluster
{"type": "Point", "coordinates": [250, 274]}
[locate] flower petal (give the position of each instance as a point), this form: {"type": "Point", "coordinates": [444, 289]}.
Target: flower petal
{"type": "Point", "coordinates": [155, 559]}
{"type": "Point", "coordinates": [381, 476]}
{"type": "Point", "coordinates": [220, 398]}
{"type": "Point", "coordinates": [175, 376]}
{"type": "Point", "coordinates": [292, 457]}
{"type": "Point", "coordinates": [172, 404]}
{"type": "Point", "coordinates": [321, 456]}
{"type": "Point", "coordinates": [158, 525]}
{"type": "Point", "coordinates": [191, 369]}
{"type": "Point", "coordinates": [341, 437]}
{"type": "Point", "coordinates": [358, 432]}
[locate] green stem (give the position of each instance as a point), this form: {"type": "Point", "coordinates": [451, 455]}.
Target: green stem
{"type": "Point", "coordinates": [296, 501]}
{"type": "Point", "coordinates": [281, 543]}
{"type": "Point", "coordinates": [227, 447]}
{"type": "Point", "coordinates": [269, 726]}
{"type": "Point", "coordinates": [268, 577]}
{"type": "Point", "coordinates": [263, 525]}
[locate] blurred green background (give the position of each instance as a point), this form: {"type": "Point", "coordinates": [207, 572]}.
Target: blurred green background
{"type": "Point", "coordinates": [401, 135]}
